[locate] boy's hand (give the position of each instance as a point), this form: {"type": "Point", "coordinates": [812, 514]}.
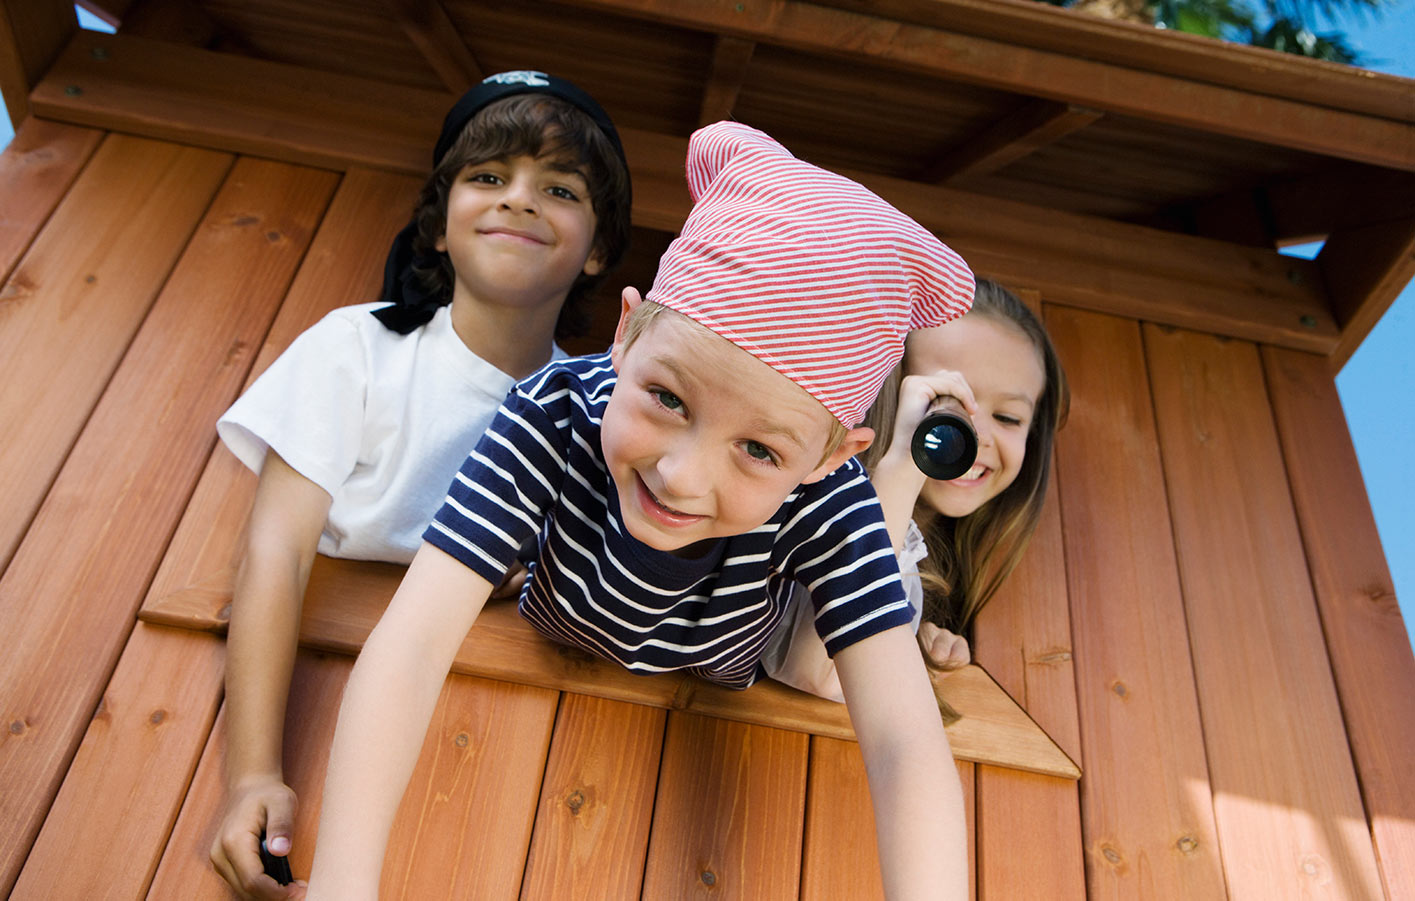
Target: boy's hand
{"type": "Point", "coordinates": [948, 651]}
{"type": "Point", "coordinates": [265, 806]}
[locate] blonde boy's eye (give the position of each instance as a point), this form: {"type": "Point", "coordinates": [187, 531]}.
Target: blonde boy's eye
{"type": "Point", "coordinates": [758, 451]}
{"type": "Point", "coordinates": [667, 398]}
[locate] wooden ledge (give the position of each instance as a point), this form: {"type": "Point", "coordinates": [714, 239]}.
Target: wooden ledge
{"type": "Point", "coordinates": [345, 599]}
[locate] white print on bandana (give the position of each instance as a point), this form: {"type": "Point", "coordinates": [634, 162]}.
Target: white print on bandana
{"type": "Point", "coordinates": [522, 76]}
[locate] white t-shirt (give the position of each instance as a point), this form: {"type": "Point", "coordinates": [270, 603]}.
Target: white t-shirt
{"type": "Point", "coordinates": [379, 420]}
{"type": "Point", "coordinates": [796, 655]}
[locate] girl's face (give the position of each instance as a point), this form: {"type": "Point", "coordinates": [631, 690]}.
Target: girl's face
{"type": "Point", "coordinates": [1005, 371]}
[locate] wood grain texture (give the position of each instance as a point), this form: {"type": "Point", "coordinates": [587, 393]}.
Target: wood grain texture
{"type": "Point", "coordinates": [32, 32]}
{"type": "Point", "coordinates": [1147, 808]}
{"type": "Point", "coordinates": [68, 599]}
{"type": "Point", "coordinates": [1029, 837]}
{"type": "Point", "coordinates": [728, 815]}
{"type": "Point", "coordinates": [100, 261]}
{"type": "Point", "coordinates": [840, 857]}
{"type": "Point", "coordinates": [106, 830]}
{"type": "Point", "coordinates": [36, 170]}
{"type": "Point", "coordinates": [596, 803]}
{"type": "Point", "coordinates": [345, 598]}
{"type": "Point", "coordinates": [223, 101]}
{"type": "Point", "coordinates": [1286, 802]}
{"type": "Point", "coordinates": [1365, 634]}
{"type": "Point", "coordinates": [344, 265]}
{"type": "Point", "coordinates": [1365, 269]}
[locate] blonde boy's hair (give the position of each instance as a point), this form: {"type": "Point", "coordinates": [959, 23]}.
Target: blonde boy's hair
{"type": "Point", "coordinates": [647, 311]}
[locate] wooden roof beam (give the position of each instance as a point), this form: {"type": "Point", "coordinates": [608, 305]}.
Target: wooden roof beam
{"type": "Point", "coordinates": [1365, 269]}
{"type": "Point", "coordinates": [730, 57]}
{"type": "Point", "coordinates": [429, 27]}
{"type": "Point", "coordinates": [317, 118]}
{"type": "Point", "coordinates": [1033, 126]}
{"type": "Point", "coordinates": [179, 21]}
{"type": "Point", "coordinates": [32, 32]}
{"type": "Point", "coordinates": [1060, 76]}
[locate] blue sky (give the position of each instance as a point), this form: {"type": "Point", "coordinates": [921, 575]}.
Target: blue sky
{"type": "Point", "coordinates": [1376, 384]}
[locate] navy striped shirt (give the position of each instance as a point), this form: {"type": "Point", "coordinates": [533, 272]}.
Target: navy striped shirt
{"type": "Point", "coordinates": [538, 472]}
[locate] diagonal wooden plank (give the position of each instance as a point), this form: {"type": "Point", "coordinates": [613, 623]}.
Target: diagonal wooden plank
{"type": "Point", "coordinates": [346, 597]}
{"type": "Point", "coordinates": [36, 170]}
{"type": "Point", "coordinates": [1365, 635]}
{"type": "Point", "coordinates": [1029, 128]}
{"type": "Point", "coordinates": [1286, 803]}
{"type": "Point", "coordinates": [727, 821]}
{"type": "Point", "coordinates": [427, 25]}
{"type": "Point", "coordinates": [839, 858]}
{"type": "Point", "coordinates": [112, 816]}
{"type": "Point", "coordinates": [100, 260]}
{"type": "Point", "coordinates": [68, 598]}
{"type": "Point", "coordinates": [1365, 270]}
{"type": "Point", "coordinates": [596, 804]}
{"type": "Point", "coordinates": [1148, 820]}
{"type": "Point", "coordinates": [730, 58]}
{"type": "Point", "coordinates": [344, 265]}
{"type": "Point", "coordinates": [32, 32]}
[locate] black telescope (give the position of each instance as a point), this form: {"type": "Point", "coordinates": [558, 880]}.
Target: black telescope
{"type": "Point", "coordinates": [945, 444]}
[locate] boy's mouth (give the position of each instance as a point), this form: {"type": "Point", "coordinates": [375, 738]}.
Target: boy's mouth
{"type": "Point", "coordinates": [513, 233]}
{"type": "Point", "coordinates": [660, 511]}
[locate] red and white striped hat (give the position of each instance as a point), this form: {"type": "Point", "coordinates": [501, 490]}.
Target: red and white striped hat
{"type": "Point", "coordinates": [804, 269]}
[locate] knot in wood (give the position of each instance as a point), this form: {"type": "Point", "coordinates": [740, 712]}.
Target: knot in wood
{"type": "Point", "coordinates": [575, 801]}
{"type": "Point", "coordinates": [1120, 689]}
{"type": "Point", "coordinates": [1187, 844]}
{"type": "Point", "coordinates": [1112, 855]}
{"type": "Point", "coordinates": [461, 740]}
{"type": "Point", "coordinates": [157, 716]}
{"type": "Point", "coordinates": [17, 727]}
{"type": "Point", "coordinates": [708, 877]}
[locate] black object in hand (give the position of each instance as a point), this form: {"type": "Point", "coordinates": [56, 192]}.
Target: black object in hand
{"type": "Point", "coordinates": [277, 868]}
{"type": "Point", "coordinates": [945, 444]}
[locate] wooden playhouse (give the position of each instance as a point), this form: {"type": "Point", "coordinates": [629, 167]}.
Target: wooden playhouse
{"type": "Point", "coordinates": [1197, 686]}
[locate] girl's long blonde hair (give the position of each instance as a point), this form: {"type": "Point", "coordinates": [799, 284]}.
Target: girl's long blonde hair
{"type": "Point", "coordinates": [971, 556]}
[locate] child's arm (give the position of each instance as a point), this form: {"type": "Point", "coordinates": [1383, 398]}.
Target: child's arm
{"type": "Point", "coordinates": [383, 719]}
{"type": "Point", "coordinates": [286, 519]}
{"type": "Point", "coordinates": [918, 801]}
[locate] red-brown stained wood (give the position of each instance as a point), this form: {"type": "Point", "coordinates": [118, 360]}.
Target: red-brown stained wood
{"type": "Point", "coordinates": [596, 803]}
{"type": "Point", "coordinates": [727, 819]}
{"type": "Point", "coordinates": [32, 32]}
{"type": "Point", "coordinates": [344, 265]}
{"type": "Point", "coordinates": [85, 285]}
{"type": "Point", "coordinates": [1286, 802]}
{"type": "Point", "coordinates": [1029, 836]}
{"type": "Point", "coordinates": [68, 599]}
{"type": "Point", "coordinates": [1147, 811]}
{"type": "Point", "coordinates": [464, 826]}
{"type": "Point", "coordinates": [106, 830]}
{"type": "Point", "coordinates": [465, 820]}
{"type": "Point", "coordinates": [1365, 634]}
{"type": "Point", "coordinates": [36, 170]}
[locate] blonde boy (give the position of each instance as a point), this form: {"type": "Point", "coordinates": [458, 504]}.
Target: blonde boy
{"type": "Point", "coordinates": [678, 485]}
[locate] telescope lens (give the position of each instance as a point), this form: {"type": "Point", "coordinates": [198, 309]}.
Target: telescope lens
{"type": "Point", "coordinates": [944, 445]}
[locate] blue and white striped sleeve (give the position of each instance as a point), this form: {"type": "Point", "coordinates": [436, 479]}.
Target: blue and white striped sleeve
{"type": "Point", "coordinates": [846, 560]}
{"type": "Point", "coordinates": [501, 495]}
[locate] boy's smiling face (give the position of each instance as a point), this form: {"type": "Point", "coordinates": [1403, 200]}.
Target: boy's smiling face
{"type": "Point", "coordinates": [702, 439]}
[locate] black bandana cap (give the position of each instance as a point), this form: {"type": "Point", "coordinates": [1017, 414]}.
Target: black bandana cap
{"type": "Point", "coordinates": [412, 307]}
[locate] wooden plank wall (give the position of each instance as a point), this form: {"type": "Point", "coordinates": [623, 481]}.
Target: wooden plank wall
{"type": "Point", "coordinates": [1188, 624]}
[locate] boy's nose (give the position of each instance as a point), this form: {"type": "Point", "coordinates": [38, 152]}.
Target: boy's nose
{"type": "Point", "coordinates": [684, 475]}
{"type": "Point", "coordinates": [520, 195]}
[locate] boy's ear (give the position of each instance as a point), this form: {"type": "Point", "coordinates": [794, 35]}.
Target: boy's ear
{"type": "Point", "coordinates": [628, 299]}
{"type": "Point", "coordinates": [856, 440]}
{"type": "Point", "coordinates": [440, 245]}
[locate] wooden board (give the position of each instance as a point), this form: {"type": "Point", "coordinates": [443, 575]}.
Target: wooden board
{"type": "Point", "coordinates": [346, 597]}
{"type": "Point", "coordinates": [344, 265]}
{"type": "Point", "coordinates": [68, 598]}
{"type": "Point", "coordinates": [729, 810]}
{"type": "Point", "coordinates": [1286, 802]}
{"type": "Point", "coordinates": [840, 857]}
{"type": "Point", "coordinates": [106, 830]}
{"type": "Point", "coordinates": [1029, 837]}
{"type": "Point", "coordinates": [596, 803]}
{"type": "Point", "coordinates": [223, 101]}
{"type": "Point", "coordinates": [100, 260]}
{"type": "Point", "coordinates": [1147, 811]}
{"type": "Point", "coordinates": [36, 170]}
{"type": "Point", "coordinates": [31, 34]}
{"type": "Point", "coordinates": [1365, 634]}
{"type": "Point", "coordinates": [464, 823]}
